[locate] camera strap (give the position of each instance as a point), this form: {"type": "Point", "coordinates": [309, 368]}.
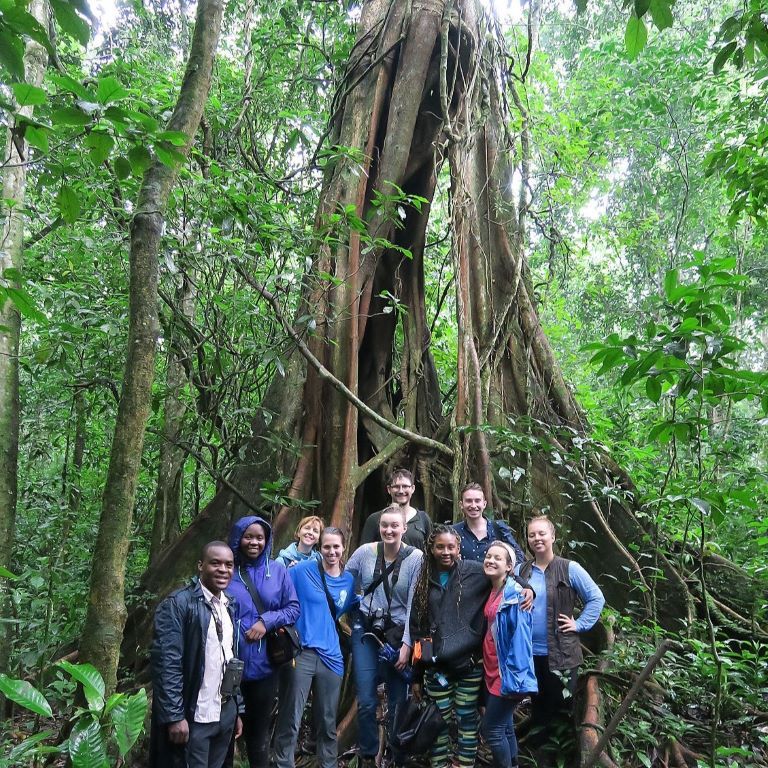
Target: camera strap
{"type": "Point", "coordinates": [381, 573]}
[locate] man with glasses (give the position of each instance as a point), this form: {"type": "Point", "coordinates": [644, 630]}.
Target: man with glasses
{"type": "Point", "coordinates": [194, 669]}
{"type": "Point", "coordinates": [418, 525]}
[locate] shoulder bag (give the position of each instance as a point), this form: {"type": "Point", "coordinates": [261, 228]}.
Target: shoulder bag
{"type": "Point", "coordinates": [283, 643]}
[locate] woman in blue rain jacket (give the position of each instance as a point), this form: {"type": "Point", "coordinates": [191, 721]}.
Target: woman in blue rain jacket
{"type": "Point", "coordinates": [251, 541]}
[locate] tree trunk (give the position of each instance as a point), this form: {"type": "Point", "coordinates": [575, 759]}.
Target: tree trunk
{"type": "Point", "coordinates": [12, 258]}
{"type": "Point", "coordinates": [105, 619]}
{"type": "Point", "coordinates": [166, 525]}
{"type": "Point", "coordinates": [423, 85]}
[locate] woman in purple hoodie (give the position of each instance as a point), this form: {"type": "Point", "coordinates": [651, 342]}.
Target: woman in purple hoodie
{"type": "Point", "coordinates": [251, 541]}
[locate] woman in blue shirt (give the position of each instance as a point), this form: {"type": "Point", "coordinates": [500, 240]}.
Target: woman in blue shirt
{"type": "Point", "coordinates": [320, 664]}
{"type": "Point", "coordinates": [559, 584]}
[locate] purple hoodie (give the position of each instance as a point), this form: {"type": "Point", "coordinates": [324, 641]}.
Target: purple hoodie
{"type": "Point", "coordinates": [274, 587]}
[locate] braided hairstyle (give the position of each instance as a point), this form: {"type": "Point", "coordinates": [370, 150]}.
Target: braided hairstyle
{"type": "Point", "coordinates": [420, 604]}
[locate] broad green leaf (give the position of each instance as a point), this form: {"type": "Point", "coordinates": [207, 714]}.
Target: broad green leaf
{"type": "Point", "coordinates": [12, 54]}
{"type": "Point", "coordinates": [122, 168]}
{"type": "Point", "coordinates": [177, 138]}
{"type": "Point", "coordinates": [128, 718]}
{"type": "Point", "coordinates": [37, 137]}
{"type": "Point", "coordinates": [168, 156]}
{"type": "Point", "coordinates": [661, 13]}
{"type": "Point", "coordinates": [635, 37]}
{"type": "Point", "coordinates": [723, 55]}
{"type": "Point", "coordinates": [27, 95]}
{"type": "Point", "coordinates": [100, 145]}
{"type": "Point", "coordinates": [25, 695]}
{"type": "Point", "coordinates": [67, 83]}
{"type": "Point", "coordinates": [670, 281]}
{"type": "Point", "coordinates": [701, 504]}
{"type": "Point", "coordinates": [88, 676]}
{"type": "Point", "coordinates": [21, 753]}
{"type": "Point", "coordinates": [109, 90]}
{"type": "Point", "coordinates": [23, 302]}
{"type": "Point", "coordinates": [653, 388]}
{"type": "Point", "coordinates": [6, 574]}
{"type": "Point", "coordinates": [86, 745]}
{"type": "Point", "coordinates": [69, 116]}
{"type": "Point", "coordinates": [140, 159]}
{"type": "Point", "coordinates": [71, 22]}
{"type": "Point", "coordinates": [641, 7]}
{"type": "Point", "coordinates": [24, 23]}
{"type": "Point", "coordinates": [68, 203]}
{"type": "Point", "coordinates": [149, 124]}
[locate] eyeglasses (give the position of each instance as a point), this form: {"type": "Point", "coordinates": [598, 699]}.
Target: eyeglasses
{"type": "Point", "coordinates": [400, 487]}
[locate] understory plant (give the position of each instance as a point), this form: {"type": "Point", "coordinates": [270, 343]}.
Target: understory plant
{"type": "Point", "coordinates": [101, 733]}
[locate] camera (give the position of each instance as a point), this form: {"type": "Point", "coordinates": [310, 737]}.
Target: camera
{"type": "Point", "coordinates": [233, 674]}
{"type": "Point", "coordinates": [377, 621]}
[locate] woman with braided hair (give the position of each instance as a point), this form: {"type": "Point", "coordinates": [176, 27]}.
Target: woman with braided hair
{"type": "Point", "coordinates": [448, 608]}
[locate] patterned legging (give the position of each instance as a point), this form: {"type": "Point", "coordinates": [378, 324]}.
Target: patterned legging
{"type": "Point", "coordinates": [456, 696]}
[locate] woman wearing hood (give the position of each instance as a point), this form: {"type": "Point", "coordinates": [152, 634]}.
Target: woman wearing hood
{"type": "Point", "coordinates": [251, 541]}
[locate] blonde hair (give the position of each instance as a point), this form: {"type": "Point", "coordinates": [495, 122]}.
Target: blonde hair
{"type": "Point", "coordinates": [306, 521]}
{"type": "Point", "coordinates": [541, 519]}
{"type": "Point", "coordinates": [396, 509]}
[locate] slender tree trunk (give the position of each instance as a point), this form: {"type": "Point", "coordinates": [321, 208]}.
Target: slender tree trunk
{"type": "Point", "coordinates": [106, 615]}
{"type": "Point", "coordinates": [11, 257]}
{"type": "Point", "coordinates": [166, 526]}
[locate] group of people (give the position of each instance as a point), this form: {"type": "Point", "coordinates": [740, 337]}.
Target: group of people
{"type": "Point", "coordinates": [453, 613]}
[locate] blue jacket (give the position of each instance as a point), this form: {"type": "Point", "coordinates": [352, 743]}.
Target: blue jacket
{"type": "Point", "coordinates": [291, 555]}
{"type": "Point", "coordinates": [274, 587]}
{"type": "Point", "coordinates": [514, 645]}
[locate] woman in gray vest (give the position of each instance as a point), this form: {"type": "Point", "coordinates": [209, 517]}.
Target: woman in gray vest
{"type": "Point", "coordinates": [559, 584]}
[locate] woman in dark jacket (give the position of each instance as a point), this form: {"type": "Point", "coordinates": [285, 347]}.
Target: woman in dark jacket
{"type": "Point", "coordinates": [448, 608]}
{"type": "Point", "coordinates": [251, 541]}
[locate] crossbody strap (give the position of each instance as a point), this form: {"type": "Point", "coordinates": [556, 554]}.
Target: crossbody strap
{"type": "Point", "coordinates": [249, 585]}
{"type": "Point", "coordinates": [331, 604]}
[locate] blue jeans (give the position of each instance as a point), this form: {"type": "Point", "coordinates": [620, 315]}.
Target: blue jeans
{"type": "Point", "coordinates": [368, 672]}
{"type": "Point", "coordinates": [499, 730]}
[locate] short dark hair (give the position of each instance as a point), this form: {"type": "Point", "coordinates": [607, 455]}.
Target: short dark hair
{"type": "Point", "coordinates": [211, 545]}
{"type": "Point", "coordinates": [400, 472]}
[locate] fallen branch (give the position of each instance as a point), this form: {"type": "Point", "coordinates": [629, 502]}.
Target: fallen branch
{"type": "Point", "coordinates": [595, 756]}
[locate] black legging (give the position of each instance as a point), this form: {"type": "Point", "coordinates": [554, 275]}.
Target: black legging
{"type": "Point", "coordinates": [258, 698]}
{"type": "Point", "coordinates": [550, 709]}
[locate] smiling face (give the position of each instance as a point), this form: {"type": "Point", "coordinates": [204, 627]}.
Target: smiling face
{"type": "Point", "coordinates": [215, 569]}
{"type": "Point", "coordinates": [332, 549]}
{"type": "Point", "coordinates": [541, 537]}
{"type": "Point", "coordinates": [253, 541]}
{"type": "Point", "coordinates": [309, 534]}
{"type": "Point", "coordinates": [473, 503]}
{"type": "Point", "coordinates": [497, 563]}
{"type": "Point", "coordinates": [445, 551]}
{"type": "Point", "coordinates": [400, 490]}
{"type": "Point", "coordinates": [392, 527]}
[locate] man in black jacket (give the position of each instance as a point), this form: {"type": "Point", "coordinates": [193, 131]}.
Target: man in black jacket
{"type": "Point", "coordinates": [194, 707]}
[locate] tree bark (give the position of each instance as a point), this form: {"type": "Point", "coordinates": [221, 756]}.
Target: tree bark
{"type": "Point", "coordinates": [166, 526]}
{"type": "Point", "coordinates": [14, 173]}
{"type": "Point", "coordinates": [106, 615]}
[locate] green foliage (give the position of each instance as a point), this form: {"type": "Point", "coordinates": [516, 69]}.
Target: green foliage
{"type": "Point", "coordinates": [99, 730]}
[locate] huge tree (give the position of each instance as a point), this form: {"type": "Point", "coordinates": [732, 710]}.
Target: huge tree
{"type": "Point", "coordinates": [428, 93]}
